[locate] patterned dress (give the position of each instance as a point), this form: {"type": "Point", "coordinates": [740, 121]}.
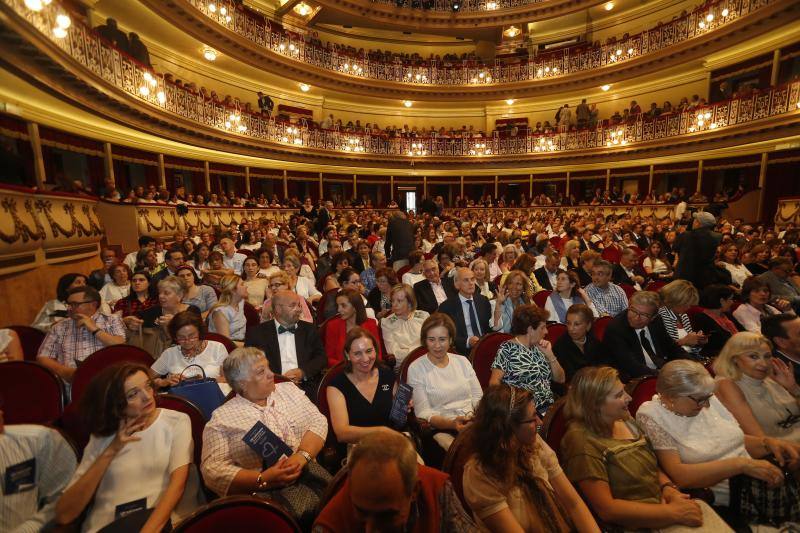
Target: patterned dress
{"type": "Point", "coordinates": [526, 368]}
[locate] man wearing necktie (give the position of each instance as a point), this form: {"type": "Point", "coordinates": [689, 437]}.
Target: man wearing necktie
{"type": "Point", "coordinates": [293, 347]}
{"type": "Point", "coordinates": [469, 309]}
{"type": "Point", "coordinates": [636, 342]}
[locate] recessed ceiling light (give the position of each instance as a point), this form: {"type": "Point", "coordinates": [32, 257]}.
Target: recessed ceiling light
{"type": "Point", "coordinates": [510, 101]}
{"type": "Point", "coordinates": [63, 21]}
{"type": "Point", "coordinates": [512, 31]}
{"type": "Point", "coordinates": [210, 54]}
{"type": "Point", "coordinates": [605, 87]}
{"type": "Point", "coordinates": [608, 6]}
{"type": "Point", "coordinates": [408, 103]}
{"type": "Point", "coordinates": [305, 87]}
{"type": "Point", "coordinates": [302, 9]}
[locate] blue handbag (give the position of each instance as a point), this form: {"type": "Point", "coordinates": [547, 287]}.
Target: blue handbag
{"type": "Point", "coordinates": [203, 392]}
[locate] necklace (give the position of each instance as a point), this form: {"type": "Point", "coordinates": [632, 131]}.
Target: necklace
{"type": "Point", "coordinates": [665, 406]}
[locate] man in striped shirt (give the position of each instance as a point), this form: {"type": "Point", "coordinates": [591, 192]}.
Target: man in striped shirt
{"type": "Point", "coordinates": [609, 299]}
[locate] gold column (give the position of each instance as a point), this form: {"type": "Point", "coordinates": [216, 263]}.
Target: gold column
{"type": "Point", "coordinates": [530, 186]}
{"type": "Point", "coordinates": [285, 185]}
{"type": "Point", "coordinates": [355, 187]}
{"type": "Point", "coordinates": [38, 158]}
{"type": "Point", "coordinates": [650, 179]}
{"type": "Point", "coordinates": [391, 187]}
{"type": "Point", "coordinates": [162, 172]}
{"type": "Point", "coordinates": [108, 163]}
{"type": "Point", "coordinates": [566, 194]}
{"type": "Point", "coordinates": [699, 175]}
{"type": "Point", "coordinates": [207, 176]}
{"type": "Point", "coordinates": [776, 67]}
{"type": "Point", "coordinates": [424, 186]}
{"type": "Point", "coordinates": [608, 179]}
{"type": "Point", "coordinates": [762, 181]}
{"type": "Point", "coordinates": [496, 186]}
{"type": "Point", "coordinates": [247, 180]}
{"type": "Point", "coordinates": [462, 187]}
{"type": "Point", "coordinates": [320, 185]}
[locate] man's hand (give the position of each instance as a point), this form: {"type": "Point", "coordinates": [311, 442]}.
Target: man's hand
{"type": "Point", "coordinates": [295, 374]}
{"type": "Point", "coordinates": [472, 341]}
{"type": "Point", "coordinates": [85, 321]}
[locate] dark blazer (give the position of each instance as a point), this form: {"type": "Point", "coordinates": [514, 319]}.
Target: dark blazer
{"type": "Point", "coordinates": [620, 276]}
{"type": "Point", "coordinates": [696, 250]}
{"type": "Point", "coordinates": [780, 355]}
{"type": "Point", "coordinates": [426, 300]}
{"type": "Point", "coordinates": [623, 350]}
{"type": "Point", "coordinates": [572, 358]}
{"type": "Point", "coordinates": [584, 277]}
{"type": "Point", "coordinates": [161, 274]}
{"type": "Point", "coordinates": [717, 336]}
{"type": "Point", "coordinates": [452, 307]}
{"type": "Point", "coordinates": [399, 238]}
{"type": "Point", "coordinates": [97, 278]}
{"type": "Point", "coordinates": [643, 241]}
{"type": "Point", "coordinates": [311, 356]}
{"type": "Point", "coordinates": [543, 279]}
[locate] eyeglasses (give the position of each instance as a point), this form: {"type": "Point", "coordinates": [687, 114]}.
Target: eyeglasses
{"type": "Point", "coordinates": [789, 421]}
{"type": "Point", "coordinates": [702, 400]}
{"type": "Point", "coordinates": [188, 338]}
{"type": "Point", "coordinates": [640, 314]}
{"type": "Point", "coordinates": [76, 304]}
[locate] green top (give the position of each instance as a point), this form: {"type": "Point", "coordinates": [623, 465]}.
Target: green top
{"type": "Point", "coordinates": [629, 467]}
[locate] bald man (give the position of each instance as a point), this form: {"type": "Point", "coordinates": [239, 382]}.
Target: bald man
{"type": "Point", "coordinates": [469, 309]}
{"type": "Point", "coordinates": [293, 347]}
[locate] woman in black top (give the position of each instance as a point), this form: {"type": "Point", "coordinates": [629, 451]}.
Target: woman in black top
{"type": "Point", "coordinates": [360, 398]}
{"type": "Point", "coordinates": [579, 347]}
{"type": "Point", "coordinates": [715, 319]}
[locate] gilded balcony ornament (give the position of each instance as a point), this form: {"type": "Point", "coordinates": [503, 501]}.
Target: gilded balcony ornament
{"type": "Point", "coordinates": [46, 207]}
{"type": "Point", "coordinates": [21, 230]}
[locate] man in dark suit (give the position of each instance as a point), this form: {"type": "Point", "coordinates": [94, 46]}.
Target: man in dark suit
{"type": "Point", "coordinates": [432, 291]}
{"type": "Point", "coordinates": [469, 309]}
{"type": "Point", "coordinates": [399, 240]}
{"type": "Point", "coordinates": [323, 218]}
{"type": "Point", "coordinates": [101, 276]}
{"type": "Point", "coordinates": [696, 250]}
{"type": "Point", "coordinates": [173, 258]}
{"type": "Point", "coordinates": [784, 332]}
{"type": "Point", "coordinates": [546, 275]}
{"type": "Point", "coordinates": [629, 271]}
{"type": "Point", "coordinates": [646, 238]}
{"type": "Point", "coordinates": [585, 242]}
{"type": "Point", "coordinates": [636, 342]}
{"type": "Point", "coordinates": [293, 347]}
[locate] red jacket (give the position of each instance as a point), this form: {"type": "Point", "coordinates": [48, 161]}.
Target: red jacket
{"type": "Point", "coordinates": [335, 333]}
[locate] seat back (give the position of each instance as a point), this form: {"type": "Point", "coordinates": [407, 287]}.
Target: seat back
{"type": "Point", "coordinates": [554, 426]}
{"type": "Point", "coordinates": [599, 327]}
{"type": "Point", "coordinates": [693, 312]}
{"type": "Point", "coordinates": [641, 390]}
{"type": "Point", "coordinates": [103, 358]}
{"type": "Point", "coordinates": [222, 339]}
{"type": "Point", "coordinates": [629, 289]}
{"type": "Point", "coordinates": [655, 286]}
{"type": "Point", "coordinates": [196, 417]}
{"type": "Point", "coordinates": [611, 254]}
{"type": "Point", "coordinates": [483, 354]}
{"type": "Point", "coordinates": [540, 298]}
{"type": "Point", "coordinates": [403, 270]}
{"type": "Point", "coordinates": [239, 513]}
{"type": "Point", "coordinates": [555, 331]}
{"type": "Point", "coordinates": [30, 339]}
{"type": "Point", "coordinates": [457, 456]}
{"type": "Point", "coordinates": [322, 391]}
{"type": "Point", "coordinates": [32, 393]}
{"type": "Point", "coordinates": [326, 306]}
{"type": "Point", "coordinates": [415, 354]}
{"type": "Point", "coordinates": [252, 316]}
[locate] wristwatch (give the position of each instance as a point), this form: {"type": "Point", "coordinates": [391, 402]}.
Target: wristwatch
{"type": "Point", "coordinates": [306, 455]}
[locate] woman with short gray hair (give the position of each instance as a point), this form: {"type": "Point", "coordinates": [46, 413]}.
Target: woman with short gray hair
{"type": "Point", "coordinates": [699, 443]}
{"type": "Point", "coordinates": [230, 466]}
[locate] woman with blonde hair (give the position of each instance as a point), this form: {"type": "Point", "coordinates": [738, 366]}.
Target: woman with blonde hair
{"type": "Point", "coordinates": [513, 481]}
{"type": "Point", "coordinates": [758, 389]}
{"type": "Point", "coordinates": [401, 329]}
{"type": "Point", "coordinates": [227, 316]}
{"type": "Point", "coordinates": [484, 285]}
{"type": "Point", "coordinates": [515, 290]}
{"type": "Point", "coordinates": [509, 257]}
{"type": "Point", "coordinates": [676, 298]}
{"type": "Point", "coordinates": [571, 255]}
{"type": "Point", "coordinates": [606, 455]}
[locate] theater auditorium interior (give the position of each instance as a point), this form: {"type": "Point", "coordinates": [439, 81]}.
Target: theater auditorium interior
{"type": "Point", "coordinates": [400, 265]}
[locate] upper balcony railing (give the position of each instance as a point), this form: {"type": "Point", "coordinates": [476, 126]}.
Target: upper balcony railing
{"type": "Point", "coordinates": [434, 72]}
{"type": "Point", "coordinates": [118, 69]}
{"type": "Point", "coordinates": [467, 6]}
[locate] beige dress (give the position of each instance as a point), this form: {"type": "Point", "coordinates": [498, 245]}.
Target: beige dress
{"type": "Point", "coordinates": [775, 409]}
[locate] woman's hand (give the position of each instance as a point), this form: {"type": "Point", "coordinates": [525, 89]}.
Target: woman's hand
{"type": "Point", "coordinates": [692, 339]}
{"type": "Point", "coordinates": [763, 470]}
{"type": "Point", "coordinates": [164, 320]}
{"type": "Point", "coordinates": [502, 296]}
{"type": "Point", "coordinates": [125, 433]}
{"type": "Point", "coordinates": [462, 422]}
{"type": "Point", "coordinates": [784, 452]}
{"type": "Point", "coordinates": [546, 348]}
{"type": "Point", "coordinates": [584, 296]}
{"type": "Point", "coordinates": [782, 305]}
{"type": "Point", "coordinates": [686, 512]}
{"type": "Point", "coordinates": [783, 373]}
{"type": "Point", "coordinates": [133, 322]}
{"type": "Point", "coordinates": [281, 473]}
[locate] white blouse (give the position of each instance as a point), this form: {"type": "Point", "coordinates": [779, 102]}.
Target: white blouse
{"type": "Point", "coordinates": [447, 392]}
{"type": "Point", "coordinates": [111, 293]}
{"type": "Point", "coordinates": [305, 288]}
{"type": "Point", "coordinates": [402, 336]}
{"type": "Point", "coordinates": [750, 317]}
{"type": "Point", "coordinates": [409, 278]}
{"type": "Point", "coordinates": [172, 361]}
{"type": "Point", "coordinates": [739, 272]}
{"type": "Point", "coordinates": [658, 266]}
{"type": "Point", "coordinates": [549, 306]}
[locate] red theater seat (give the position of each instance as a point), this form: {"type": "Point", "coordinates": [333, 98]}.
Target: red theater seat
{"type": "Point", "coordinates": [600, 326]}
{"type": "Point", "coordinates": [103, 358]}
{"type": "Point", "coordinates": [483, 354]}
{"type": "Point", "coordinates": [32, 394]}
{"type": "Point", "coordinates": [229, 344]}
{"type": "Point", "coordinates": [555, 425]}
{"type": "Point", "coordinates": [555, 331]}
{"type": "Point", "coordinates": [415, 354]}
{"type": "Point", "coordinates": [239, 513]}
{"type": "Point", "coordinates": [641, 390]}
{"type": "Point", "coordinates": [540, 298]}
{"type": "Point", "coordinates": [30, 339]}
{"type": "Point", "coordinates": [196, 417]}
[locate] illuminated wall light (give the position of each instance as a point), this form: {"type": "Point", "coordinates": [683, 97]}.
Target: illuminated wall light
{"type": "Point", "coordinates": [302, 9]}
{"type": "Point", "coordinates": [605, 88]}
{"type": "Point", "coordinates": [144, 90]}
{"type": "Point", "coordinates": [630, 51]}
{"type": "Point", "coordinates": [63, 21]}
{"type": "Point", "coordinates": [713, 125]}
{"type": "Point", "coordinates": [223, 10]}
{"type": "Point", "coordinates": [408, 103]}
{"type": "Point", "coordinates": [292, 47]}
{"type": "Point", "coordinates": [725, 12]}
{"type": "Point", "coordinates": [701, 24]}
{"type": "Point", "coordinates": [305, 87]}
{"type": "Point", "coordinates": [162, 98]}
{"type": "Point", "coordinates": [491, 6]}
{"type": "Point", "coordinates": [608, 6]}
{"type": "Point", "coordinates": [59, 32]}
{"type": "Point", "coordinates": [618, 52]}
{"type": "Point", "coordinates": [34, 5]}
{"type": "Point", "coordinates": [227, 18]}
{"type": "Point", "coordinates": [709, 17]}
{"type": "Point", "coordinates": [512, 31]}
{"type": "Point", "coordinates": [210, 54]}
{"type": "Point", "coordinates": [510, 101]}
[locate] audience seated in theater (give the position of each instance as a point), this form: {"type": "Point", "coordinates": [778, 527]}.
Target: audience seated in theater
{"type": "Point", "coordinates": [230, 466]}
{"type": "Point", "coordinates": [10, 346]}
{"type": "Point", "coordinates": [368, 275]}
{"type": "Point", "coordinates": [255, 283]}
{"type": "Point", "coordinates": [656, 264]}
{"type": "Point", "coordinates": [685, 416]}
{"type": "Point", "coordinates": [361, 259]}
{"type": "Point", "coordinates": [173, 258]}
{"type": "Point", "coordinates": [677, 297]}
{"type": "Point", "coordinates": [302, 277]}
{"type": "Point", "coordinates": [85, 331]}
{"type": "Point", "coordinates": [780, 278]}
{"type": "Point", "coordinates": [380, 298]}
{"type": "Point", "coordinates": [729, 260]}
{"type": "Point", "coordinates": [226, 317]}
{"type": "Point", "coordinates": [266, 266]}
{"type": "Point", "coordinates": [526, 264]}
{"type": "Point", "coordinates": [567, 293]}
{"type": "Point", "coordinates": [231, 259]}
{"type": "Point", "coordinates": [572, 256]}
{"type": "Point", "coordinates": [714, 320]}
{"type": "Point", "coordinates": [119, 287]}
{"type": "Point", "coordinates": [588, 259]}
{"type": "Point", "coordinates": [784, 332]}
{"type": "Point", "coordinates": [446, 389]}
{"type": "Point", "coordinates": [527, 360]}
{"type": "Point", "coordinates": [279, 281]}
{"type": "Point", "coordinates": [606, 455]}
{"type": "Point", "coordinates": [760, 264]}
{"type": "Point", "coordinates": [340, 262]}
{"type": "Point", "coordinates": [608, 299]}
{"type": "Point", "coordinates": [401, 329]}
{"type": "Point", "coordinates": [636, 342]}
{"type": "Point", "coordinates": [628, 270]}
{"type": "Point", "coordinates": [514, 292]}
{"type": "Point", "coordinates": [139, 298]}
{"type": "Point", "coordinates": [578, 347]}
{"type": "Point", "coordinates": [56, 310]}
{"type": "Point", "coordinates": [215, 270]}
{"type": "Point", "coordinates": [508, 258]}
{"type": "Point", "coordinates": [513, 481]}
{"type": "Point", "coordinates": [201, 296]}
{"type": "Point", "coordinates": [360, 398]}
{"type": "Point", "coordinates": [546, 274]}
{"type": "Point", "coordinates": [696, 250]}
{"type": "Point", "coordinates": [757, 305]}
{"type": "Point", "coordinates": [101, 276]}
{"type": "Point", "coordinates": [758, 389]}
{"type": "Point", "coordinates": [147, 259]}
{"type": "Point", "coordinates": [433, 290]}
{"type": "Point", "coordinates": [188, 332]}
{"type": "Point", "coordinates": [414, 274]}
{"type": "Point", "coordinates": [139, 456]}
{"type": "Point", "coordinates": [387, 490]}
{"type": "Point", "coordinates": [483, 285]}
{"type": "Point", "coordinates": [350, 279]}
{"type": "Point", "coordinates": [351, 313]}
{"type": "Point", "coordinates": [293, 346]}
{"type": "Point", "coordinates": [469, 310]}
{"type": "Point", "coordinates": [489, 253]}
